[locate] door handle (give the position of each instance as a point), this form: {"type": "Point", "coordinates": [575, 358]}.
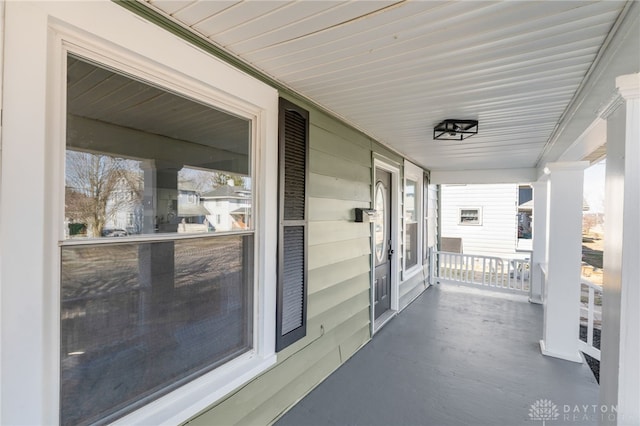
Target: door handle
{"type": "Point", "coordinates": [390, 254]}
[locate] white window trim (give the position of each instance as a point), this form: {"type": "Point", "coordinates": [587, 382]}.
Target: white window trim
{"type": "Point", "coordinates": [415, 174]}
{"type": "Point", "coordinates": [33, 154]}
{"type": "Point", "coordinates": [461, 223]}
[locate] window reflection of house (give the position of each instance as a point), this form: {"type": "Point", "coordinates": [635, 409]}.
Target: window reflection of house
{"type": "Point", "coordinates": [127, 210]}
{"type": "Point", "coordinates": [192, 215]}
{"type": "Point", "coordinates": [229, 207]}
{"type": "Point", "coordinates": [124, 207]}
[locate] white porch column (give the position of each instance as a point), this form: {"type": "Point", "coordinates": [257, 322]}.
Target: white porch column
{"type": "Point", "coordinates": [539, 255]}
{"type": "Point", "coordinates": [564, 248]}
{"type": "Point", "coordinates": [620, 344]}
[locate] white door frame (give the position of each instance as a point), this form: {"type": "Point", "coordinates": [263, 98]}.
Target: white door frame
{"type": "Point", "coordinates": [395, 189]}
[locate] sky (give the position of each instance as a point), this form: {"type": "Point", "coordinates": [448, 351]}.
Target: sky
{"type": "Point", "coordinates": [594, 186]}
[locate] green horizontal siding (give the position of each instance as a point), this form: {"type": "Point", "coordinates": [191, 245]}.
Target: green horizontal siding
{"type": "Point", "coordinates": [330, 143]}
{"type": "Point", "coordinates": [322, 209]}
{"type": "Point", "coordinates": [335, 127]}
{"type": "Point", "coordinates": [324, 300]}
{"type": "Point", "coordinates": [321, 186]}
{"type": "Point", "coordinates": [333, 231]}
{"type": "Point", "coordinates": [332, 253]}
{"type": "Point", "coordinates": [333, 165]}
{"type": "Point", "coordinates": [318, 329]}
{"type": "Point", "coordinates": [327, 276]}
{"type": "Point", "coordinates": [312, 377]}
{"type": "Point", "coordinates": [301, 385]}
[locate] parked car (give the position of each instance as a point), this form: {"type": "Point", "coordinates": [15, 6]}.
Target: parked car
{"type": "Point", "coordinates": [114, 232]}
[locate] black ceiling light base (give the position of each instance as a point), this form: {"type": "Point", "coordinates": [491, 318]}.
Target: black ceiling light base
{"type": "Point", "coordinates": [455, 130]}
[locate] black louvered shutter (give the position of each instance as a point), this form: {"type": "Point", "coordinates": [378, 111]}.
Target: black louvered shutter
{"type": "Point", "coordinates": [291, 321]}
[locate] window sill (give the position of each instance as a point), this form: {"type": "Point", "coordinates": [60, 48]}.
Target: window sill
{"type": "Point", "coordinates": [411, 272]}
{"type": "Point", "coordinates": [187, 401]}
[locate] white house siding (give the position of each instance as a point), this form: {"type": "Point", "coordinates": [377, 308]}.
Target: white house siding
{"type": "Point", "coordinates": [497, 233]}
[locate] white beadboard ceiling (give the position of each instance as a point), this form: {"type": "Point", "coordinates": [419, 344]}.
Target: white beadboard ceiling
{"type": "Point", "coordinates": [394, 69]}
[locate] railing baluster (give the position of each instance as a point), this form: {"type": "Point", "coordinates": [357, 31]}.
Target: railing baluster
{"type": "Point", "coordinates": [473, 269]}
{"type": "Point", "coordinates": [465, 275]}
{"type": "Point", "coordinates": [520, 272]}
{"type": "Point", "coordinates": [590, 315]}
{"type": "Point", "coordinates": [443, 265]}
{"type": "Point", "coordinates": [484, 268]}
{"type": "Point", "coordinates": [449, 266]}
{"type": "Point", "coordinates": [492, 272]}
{"type": "Point", "coordinates": [466, 268]}
{"type": "Point", "coordinates": [519, 277]}
{"type": "Point", "coordinates": [588, 347]}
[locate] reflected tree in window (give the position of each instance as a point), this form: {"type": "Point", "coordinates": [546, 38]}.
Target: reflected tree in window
{"type": "Point", "coordinates": [98, 187]}
{"type": "Point", "coordinates": [208, 180]}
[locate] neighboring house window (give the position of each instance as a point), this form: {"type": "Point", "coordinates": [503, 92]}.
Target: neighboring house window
{"type": "Point", "coordinates": [291, 319]}
{"type": "Point", "coordinates": [413, 212]}
{"type": "Point", "coordinates": [470, 216]}
{"type": "Point", "coordinates": [147, 315]}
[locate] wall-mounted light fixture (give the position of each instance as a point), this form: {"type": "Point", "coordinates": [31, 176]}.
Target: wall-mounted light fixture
{"type": "Point", "coordinates": [455, 130]}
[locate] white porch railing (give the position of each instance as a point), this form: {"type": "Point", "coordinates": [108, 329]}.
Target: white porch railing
{"type": "Point", "coordinates": [512, 275]}
{"type": "Point", "coordinates": [590, 316]}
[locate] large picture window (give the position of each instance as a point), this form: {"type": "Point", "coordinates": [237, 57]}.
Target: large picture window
{"type": "Point", "coordinates": [157, 283]}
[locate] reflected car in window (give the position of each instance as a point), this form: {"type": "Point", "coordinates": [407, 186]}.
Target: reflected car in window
{"type": "Point", "coordinates": [114, 232]}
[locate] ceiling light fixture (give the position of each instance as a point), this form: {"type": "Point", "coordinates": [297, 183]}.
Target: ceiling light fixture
{"type": "Point", "coordinates": [455, 130]}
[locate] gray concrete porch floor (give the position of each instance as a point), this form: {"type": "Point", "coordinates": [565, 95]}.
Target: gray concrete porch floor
{"type": "Point", "coordinates": [455, 356]}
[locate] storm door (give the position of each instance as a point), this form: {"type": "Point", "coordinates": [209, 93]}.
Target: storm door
{"type": "Point", "coordinates": [382, 237]}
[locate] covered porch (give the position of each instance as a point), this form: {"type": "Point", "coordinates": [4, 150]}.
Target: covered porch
{"type": "Point", "coordinates": [346, 101]}
{"type": "Point", "coordinates": [455, 356]}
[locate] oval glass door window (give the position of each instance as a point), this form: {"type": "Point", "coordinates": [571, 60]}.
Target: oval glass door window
{"type": "Point", "coordinates": [380, 231]}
